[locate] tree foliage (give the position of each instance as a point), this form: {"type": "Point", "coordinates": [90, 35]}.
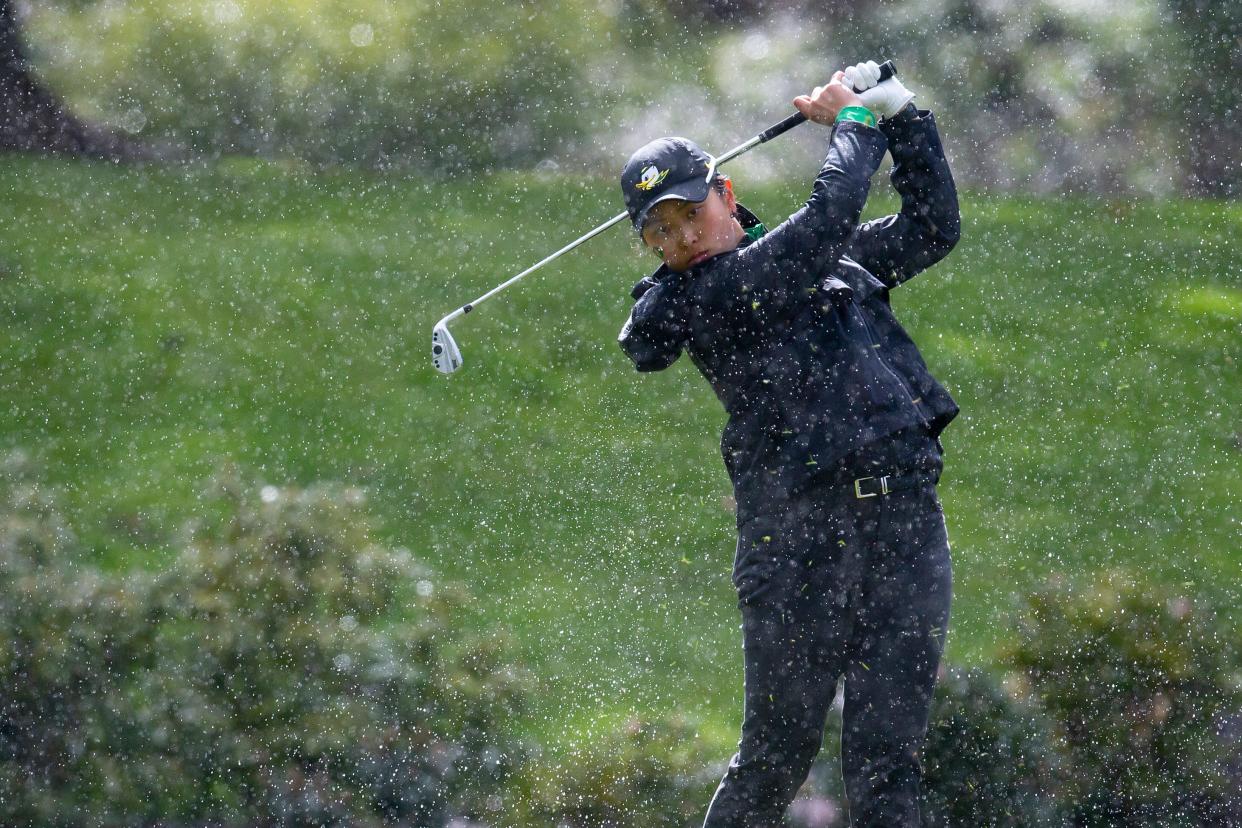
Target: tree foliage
{"type": "Point", "coordinates": [33, 118]}
{"type": "Point", "coordinates": [1044, 95]}
{"type": "Point", "coordinates": [437, 85]}
{"type": "Point", "coordinates": [1143, 684]}
{"type": "Point", "coordinates": [285, 670]}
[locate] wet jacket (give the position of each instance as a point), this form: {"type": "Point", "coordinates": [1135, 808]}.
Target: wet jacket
{"type": "Point", "coordinates": [793, 328]}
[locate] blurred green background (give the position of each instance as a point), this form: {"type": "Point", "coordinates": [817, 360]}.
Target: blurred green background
{"type": "Point", "coordinates": [160, 320]}
{"type": "Point", "coordinates": [358, 170]}
{"type": "Point", "coordinates": [1040, 95]}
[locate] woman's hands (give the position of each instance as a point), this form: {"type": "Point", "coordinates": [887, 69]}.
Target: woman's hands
{"type": "Point", "coordinates": [885, 99]}
{"type": "Point", "coordinates": [823, 104]}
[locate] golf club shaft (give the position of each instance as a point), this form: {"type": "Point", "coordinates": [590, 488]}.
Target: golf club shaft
{"type": "Point", "coordinates": [464, 309]}
{"type": "Point", "coordinates": [887, 70]}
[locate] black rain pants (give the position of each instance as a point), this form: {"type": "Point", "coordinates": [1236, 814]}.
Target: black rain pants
{"type": "Point", "coordinates": [836, 586]}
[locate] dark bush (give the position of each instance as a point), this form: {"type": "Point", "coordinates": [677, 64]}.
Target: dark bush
{"type": "Point", "coordinates": [1142, 682]}
{"type": "Point", "coordinates": [68, 640]}
{"type": "Point", "coordinates": [285, 670]}
{"type": "Point", "coordinates": [645, 774]}
{"type": "Point", "coordinates": [989, 759]}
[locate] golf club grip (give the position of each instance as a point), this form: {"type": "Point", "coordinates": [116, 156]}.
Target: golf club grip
{"type": "Point", "coordinates": [887, 70]}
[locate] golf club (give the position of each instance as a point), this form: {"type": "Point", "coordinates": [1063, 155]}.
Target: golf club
{"type": "Point", "coordinates": [445, 354]}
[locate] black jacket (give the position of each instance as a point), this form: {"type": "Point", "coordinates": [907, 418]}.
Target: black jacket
{"type": "Point", "coordinates": [793, 329]}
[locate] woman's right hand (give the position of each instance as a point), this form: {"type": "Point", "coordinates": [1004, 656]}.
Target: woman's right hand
{"type": "Point", "coordinates": [823, 105]}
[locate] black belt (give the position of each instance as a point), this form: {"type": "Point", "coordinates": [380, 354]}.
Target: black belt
{"type": "Point", "coordinates": [873, 486]}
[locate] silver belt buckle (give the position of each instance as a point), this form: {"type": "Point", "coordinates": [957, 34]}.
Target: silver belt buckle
{"type": "Point", "coordinates": [858, 492]}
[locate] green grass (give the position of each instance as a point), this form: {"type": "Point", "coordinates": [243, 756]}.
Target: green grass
{"type": "Point", "coordinates": [156, 322]}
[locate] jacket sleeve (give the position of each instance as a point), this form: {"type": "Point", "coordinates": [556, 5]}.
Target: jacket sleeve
{"type": "Point", "coordinates": [654, 334]}
{"type": "Point", "coordinates": [793, 258]}
{"type": "Point", "coordinates": [897, 247]}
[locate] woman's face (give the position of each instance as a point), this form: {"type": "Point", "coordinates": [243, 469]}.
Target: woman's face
{"type": "Point", "coordinates": [688, 232]}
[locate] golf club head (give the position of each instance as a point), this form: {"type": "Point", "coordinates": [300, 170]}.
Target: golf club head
{"type": "Point", "coordinates": [444, 353]}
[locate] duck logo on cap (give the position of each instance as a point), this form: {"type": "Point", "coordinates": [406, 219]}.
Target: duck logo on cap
{"type": "Point", "coordinates": [651, 178]}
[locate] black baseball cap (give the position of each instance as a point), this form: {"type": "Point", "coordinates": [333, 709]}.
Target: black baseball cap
{"type": "Point", "coordinates": [666, 168]}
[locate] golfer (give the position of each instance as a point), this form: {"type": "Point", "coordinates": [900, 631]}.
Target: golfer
{"type": "Point", "coordinates": [842, 567]}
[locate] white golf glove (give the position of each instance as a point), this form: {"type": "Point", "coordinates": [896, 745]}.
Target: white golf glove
{"type": "Point", "coordinates": [884, 99]}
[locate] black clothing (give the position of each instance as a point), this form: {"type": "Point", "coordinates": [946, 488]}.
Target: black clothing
{"type": "Point", "coordinates": [836, 587]}
{"type": "Point", "coordinates": [794, 330]}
